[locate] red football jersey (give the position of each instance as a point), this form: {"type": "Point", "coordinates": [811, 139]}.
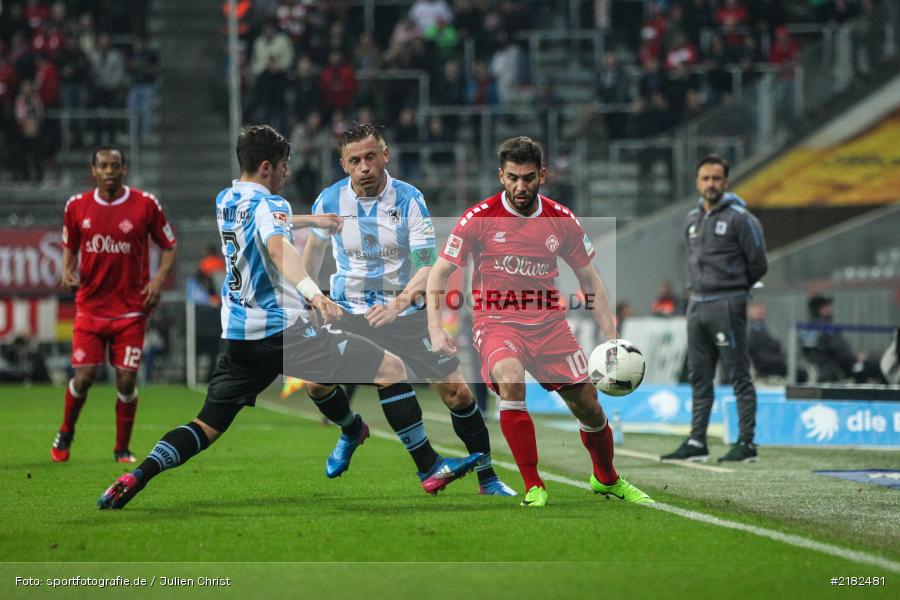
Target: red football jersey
{"type": "Point", "coordinates": [111, 240]}
{"type": "Point", "coordinates": [515, 259]}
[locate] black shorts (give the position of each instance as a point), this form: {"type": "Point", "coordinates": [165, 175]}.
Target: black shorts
{"type": "Point", "coordinates": [302, 350]}
{"type": "Point", "coordinates": [407, 337]}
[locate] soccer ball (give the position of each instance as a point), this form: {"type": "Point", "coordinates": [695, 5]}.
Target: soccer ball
{"type": "Point", "coordinates": [616, 367]}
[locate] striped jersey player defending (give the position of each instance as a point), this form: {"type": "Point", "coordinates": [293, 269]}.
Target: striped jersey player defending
{"type": "Point", "coordinates": [383, 255]}
{"type": "Point", "coordinates": [267, 325]}
{"type": "Point", "coordinates": [106, 233]}
{"type": "Point", "coordinates": [515, 239]}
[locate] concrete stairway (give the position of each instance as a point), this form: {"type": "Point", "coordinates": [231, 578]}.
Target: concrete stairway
{"type": "Point", "coordinates": [196, 145]}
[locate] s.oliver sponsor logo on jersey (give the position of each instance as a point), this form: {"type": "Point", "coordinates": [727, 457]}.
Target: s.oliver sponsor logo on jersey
{"type": "Point", "coordinates": [522, 265]}
{"type": "Point", "coordinates": [106, 244]}
{"type": "Point", "coordinates": [30, 260]}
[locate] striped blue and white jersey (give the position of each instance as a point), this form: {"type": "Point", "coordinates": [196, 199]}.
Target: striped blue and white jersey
{"type": "Point", "coordinates": [373, 250]}
{"type": "Point", "coordinates": [256, 300]}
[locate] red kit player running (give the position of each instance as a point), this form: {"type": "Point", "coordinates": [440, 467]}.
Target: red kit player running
{"type": "Point", "coordinates": [108, 228]}
{"type": "Point", "coordinates": [519, 325]}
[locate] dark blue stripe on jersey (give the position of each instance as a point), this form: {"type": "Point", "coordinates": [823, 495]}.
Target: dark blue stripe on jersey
{"type": "Point", "coordinates": [371, 247]}
{"type": "Point", "coordinates": [237, 314]}
{"type": "Point", "coordinates": [402, 204]}
{"type": "Point", "coordinates": [331, 203]}
{"type": "Point", "coordinates": [263, 292]}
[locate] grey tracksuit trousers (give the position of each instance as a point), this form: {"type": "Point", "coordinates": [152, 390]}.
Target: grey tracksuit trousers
{"type": "Point", "coordinates": [718, 329]}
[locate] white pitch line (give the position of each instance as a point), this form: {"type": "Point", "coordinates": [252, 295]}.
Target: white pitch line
{"type": "Point", "coordinates": [630, 453]}
{"type": "Point", "coordinates": [777, 536]}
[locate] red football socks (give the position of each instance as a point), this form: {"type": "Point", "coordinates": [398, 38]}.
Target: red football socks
{"type": "Point", "coordinates": [73, 407]}
{"type": "Point", "coordinates": [124, 422]}
{"type": "Point", "coordinates": [518, 429]}
{"type": "Point", "coordinates": [599, 445]}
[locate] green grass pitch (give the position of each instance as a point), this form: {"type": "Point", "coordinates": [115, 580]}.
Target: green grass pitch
{"type": "Point", "coordinates": [257, 508]}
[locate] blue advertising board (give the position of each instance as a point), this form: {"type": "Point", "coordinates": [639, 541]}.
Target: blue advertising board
{"type": "Point", "coordinates": [817, 423]}
{"type": "Point", "coordinates": [661, 404]}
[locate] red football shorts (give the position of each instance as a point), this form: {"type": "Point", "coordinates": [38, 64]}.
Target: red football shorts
{"type": "Point", "coordinates": [548, 351]}
{"type": "Point", "coordinates": [124, 337]}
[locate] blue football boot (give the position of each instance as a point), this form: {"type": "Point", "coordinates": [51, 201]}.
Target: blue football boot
{"type": "Point", "coordinates": [339, 459]}
{"type": "Point", "coordinates": [447, 470]}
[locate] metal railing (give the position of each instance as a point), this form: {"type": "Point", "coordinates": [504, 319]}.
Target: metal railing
{"type": "Point", "coordinates": [70, 133]}
{"type": "Point", "coordinates": [569, 40]}
{"type": "Point", "coordinates": [419, 77]}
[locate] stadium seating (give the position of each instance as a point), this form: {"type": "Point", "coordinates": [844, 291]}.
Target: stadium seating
{"type": "Point", "coordinates": [87, 63]}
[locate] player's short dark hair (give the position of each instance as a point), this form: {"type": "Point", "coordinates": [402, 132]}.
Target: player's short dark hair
{"type": "Point", "coordinates": [713, 159]}
{"type": "Point", "coordinates": [359, 132]}
{"type": "Point", "coordinates": [108, 148]}
{"type": "Point", "coordinates": [521, 150]}
{"type": "Point", "coordinates": [259, 143]}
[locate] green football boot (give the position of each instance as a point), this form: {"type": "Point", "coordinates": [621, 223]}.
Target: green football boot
{"type": "Point", "coordinates": [536, 496]}
{"type": "Point", "coordinates": [622, 490]}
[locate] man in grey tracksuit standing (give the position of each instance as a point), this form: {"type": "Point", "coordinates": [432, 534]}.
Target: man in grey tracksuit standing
{"type": "Point", "coordinates": [726, 256]}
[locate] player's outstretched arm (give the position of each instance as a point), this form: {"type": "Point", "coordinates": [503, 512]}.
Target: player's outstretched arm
{"type": "Point", "coordinates": [153, 290]}
{"type": "Point", "coordinates": [70, 278]}
{"type": "Point", "coordinates": [289, 262]}
{"type": "Point", "coordinates": [414, 292]}
{"type": "Point", "coordinates": [313, 254]}
{"type": "Point", "coordinates": [331, 222]}
{"type": "Point", "coordinates": [597, 299]}
{"type": "Point", "coordinates": [435, 291]}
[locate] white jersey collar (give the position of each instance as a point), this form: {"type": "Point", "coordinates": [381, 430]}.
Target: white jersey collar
{"type": "Point", "coordinates": [251, 185]}
{"type": "Point", "coordinates": [516, 213]}
{"type": "Point", "coordinates": [125, 193]}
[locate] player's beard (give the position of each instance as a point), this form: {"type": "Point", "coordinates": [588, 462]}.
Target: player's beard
{"type": "Point", "coordinates": [528, 207]}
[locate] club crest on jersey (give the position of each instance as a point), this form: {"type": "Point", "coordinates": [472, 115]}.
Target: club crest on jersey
{"type": "Point", "coordinates": [552, 243]}
{"type": "Point", "coordinates": [453, 247]}
{"type": "Point", "coordinates": [500, 237]}
{"type": "Point", "coordinates": [125, 226]}
{"type": "Point", "coordinates": [280, 219]}
{"type": "Point", "coordinates": [692, 231]}
{"type": "Point", "coordinates": [85, 223]}
{"type": "Point", "coordinates": [721, 227]}
{"type": "Point", "coordinates": [394, 216]}
{"type": "Point", "coordinates": [79, 355]}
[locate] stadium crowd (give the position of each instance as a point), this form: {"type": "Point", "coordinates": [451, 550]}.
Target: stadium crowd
{"type": "Point", "coordinates": [310, 68]}
{"type": "Point", "coordinates": [75, 55]}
